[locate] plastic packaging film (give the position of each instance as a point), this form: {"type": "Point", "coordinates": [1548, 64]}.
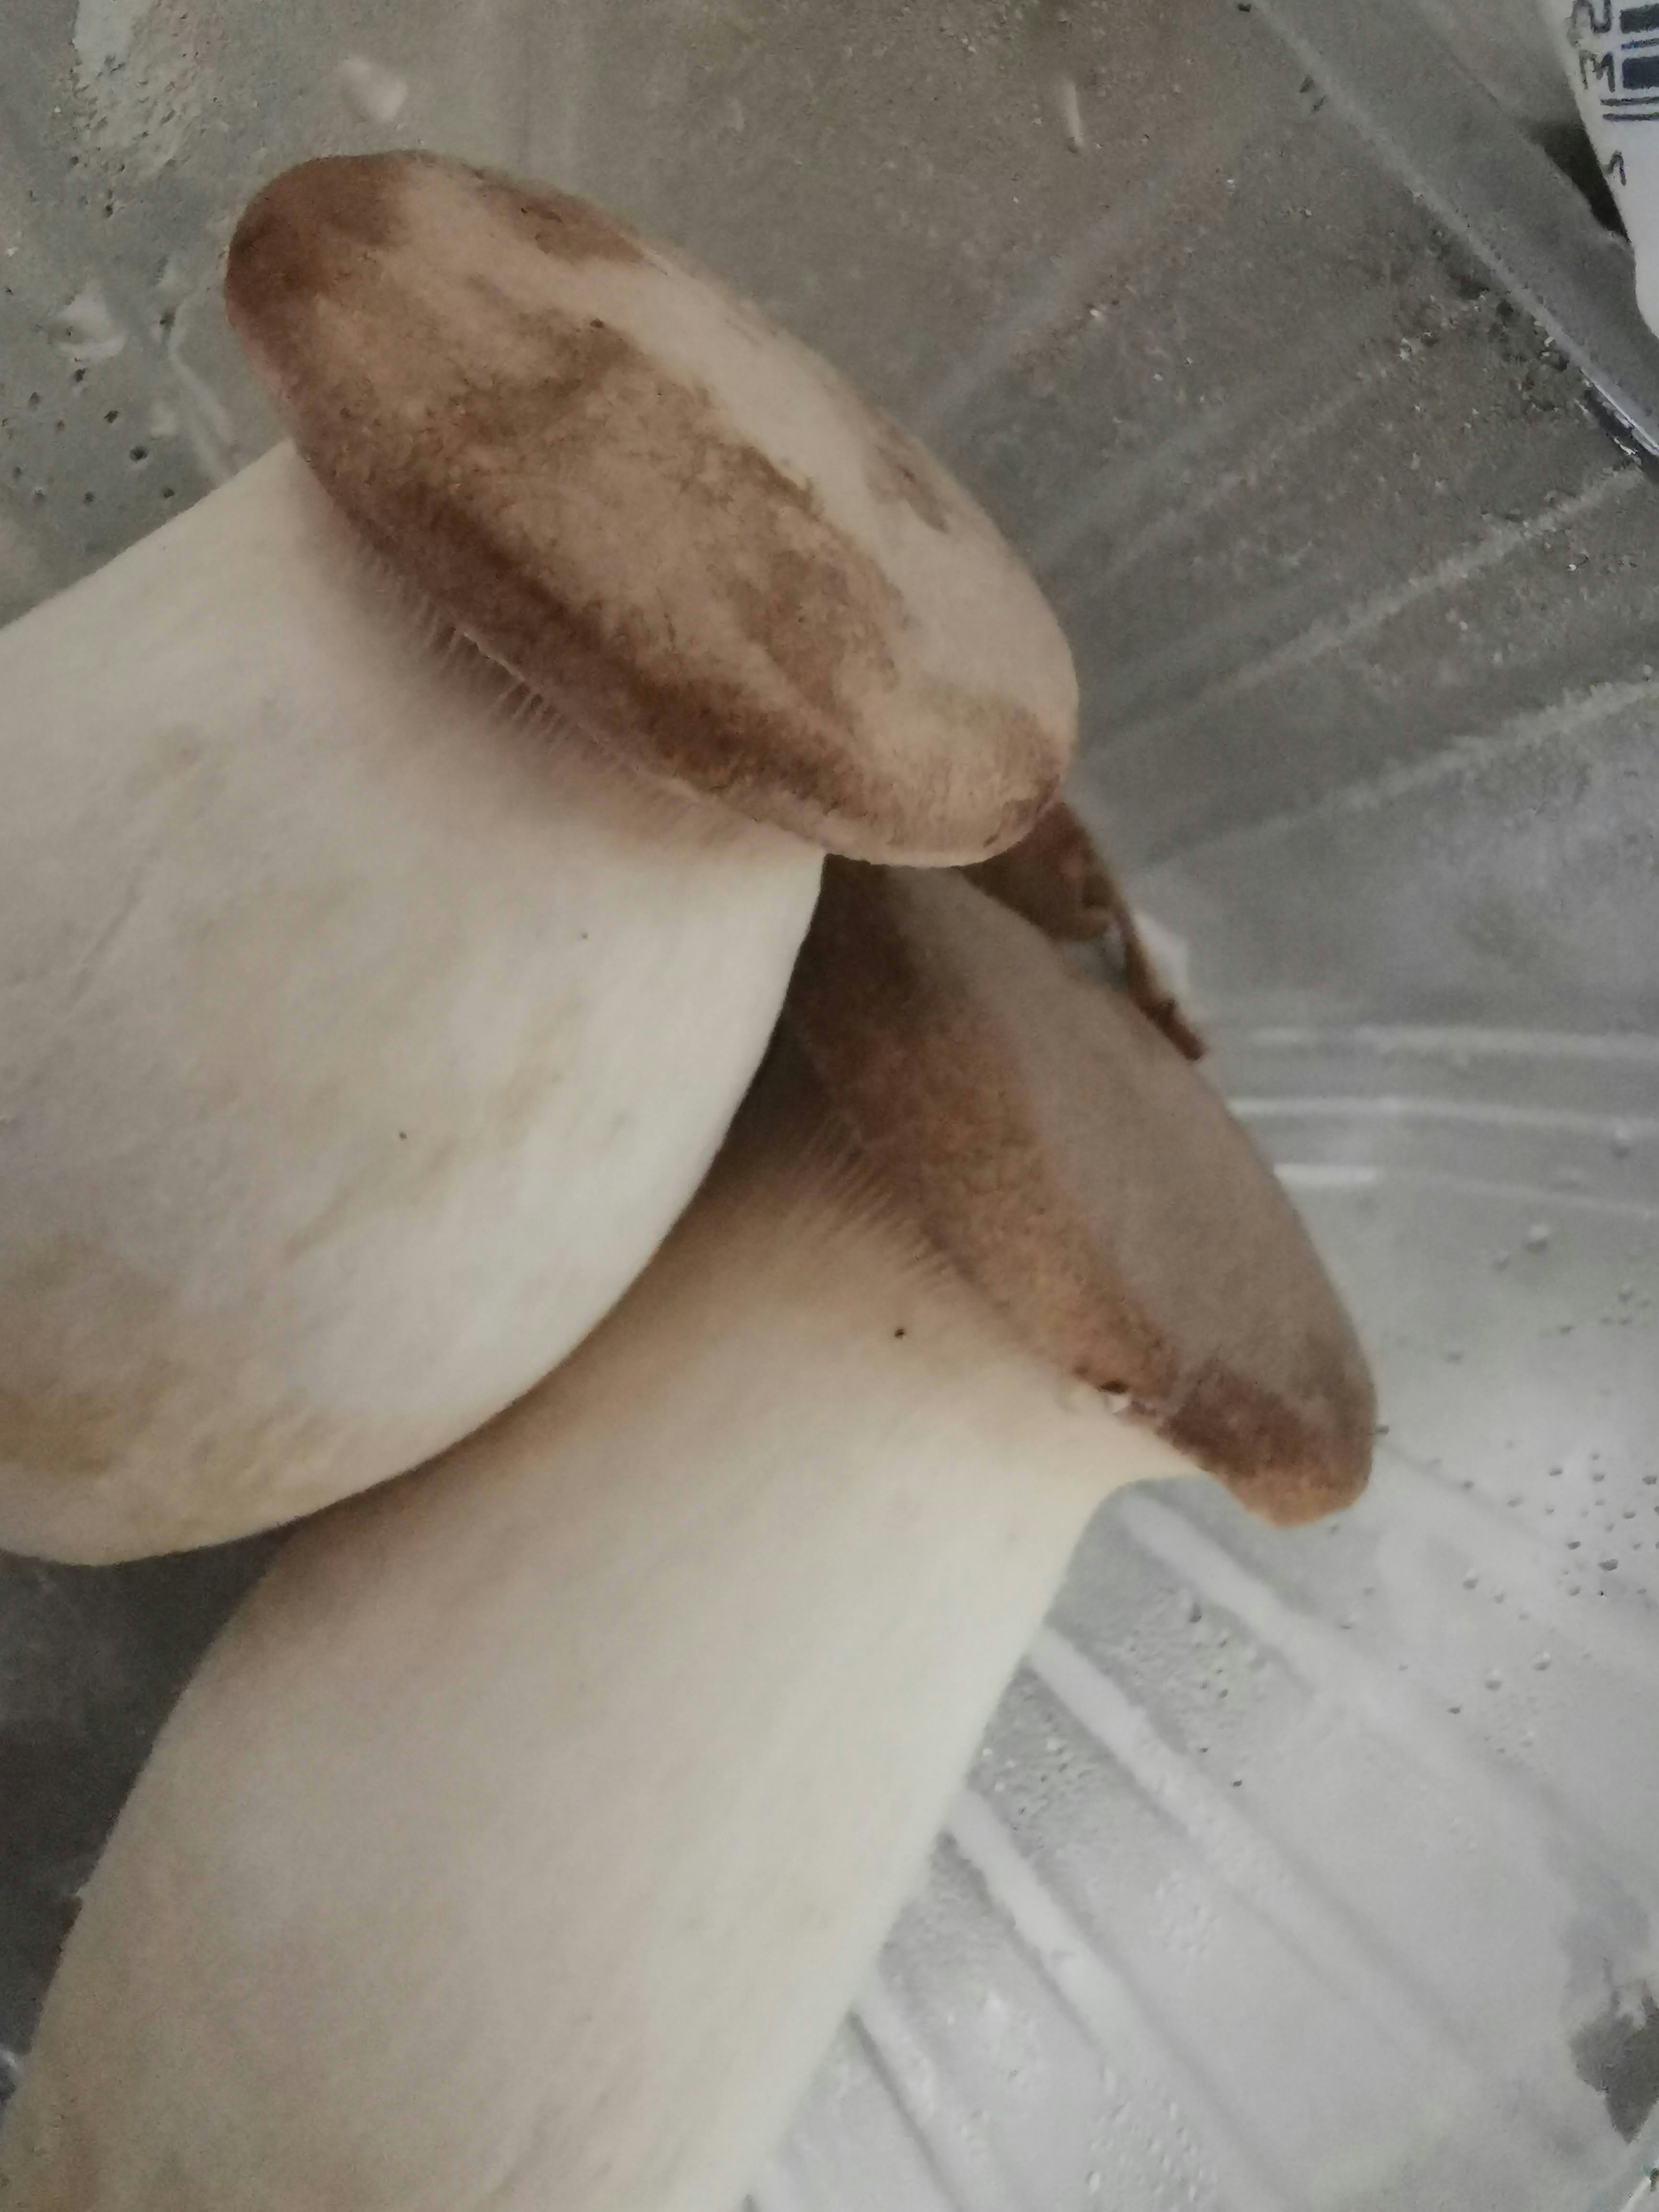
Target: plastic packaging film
{"type": "Point", "coordinates": [1307, 1872]}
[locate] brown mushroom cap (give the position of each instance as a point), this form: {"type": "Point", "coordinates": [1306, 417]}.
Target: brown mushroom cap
{"type": "Point", "coordinates": [660, 511]}
{"type": "Point", "coordinates": [1070, 1162]}
{"type": "Point", "coordinates": [1058, 877]}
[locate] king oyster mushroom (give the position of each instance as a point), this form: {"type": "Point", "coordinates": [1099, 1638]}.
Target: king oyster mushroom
{"type": "Point", "coordinates": [403, 853]}
{"type": "Point", "coordinates": [521, 1843]}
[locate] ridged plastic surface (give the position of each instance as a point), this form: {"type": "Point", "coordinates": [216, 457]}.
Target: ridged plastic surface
{"type": "Point", "coordinates": [1315, 1872]}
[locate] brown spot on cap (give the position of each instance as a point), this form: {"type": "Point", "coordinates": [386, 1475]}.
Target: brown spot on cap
{"type": "Point", "coordinates": [1074, 1167]}
{"type": "Point", "coordinates": [659, 510]}
{"type": "Point", "coordinates": [1058, 877]}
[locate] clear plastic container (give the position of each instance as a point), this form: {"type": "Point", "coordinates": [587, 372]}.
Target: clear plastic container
{"type": "Point", "coordinates": [1298, 1873]}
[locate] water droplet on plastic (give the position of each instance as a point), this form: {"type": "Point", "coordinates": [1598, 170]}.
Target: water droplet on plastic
{"type": "Point", "coordinates": [85, 330]}
{"type": "Point", "coordinates": [1471, 1581]}
{"type": "Point", "coordinates": [1494, 1679]}
{"type": "Point", "coordinates": [1538, 1237]}
{"type": "Point", "coordinates": [1541, 1664]}
{"type": "Point", "coordinates": [1609, 1566]}
{"type": "Point", "coordinates": [377, 93]}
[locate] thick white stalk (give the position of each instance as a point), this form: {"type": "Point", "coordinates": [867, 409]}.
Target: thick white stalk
{"type": "Point", "coordinates": [360, 1036]}
{"type": "Point", "coordinates": [521, 1843]}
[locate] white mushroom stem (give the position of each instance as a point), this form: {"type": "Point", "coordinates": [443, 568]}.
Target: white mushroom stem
{"type": "Point", "coordinates": [360, 1035]}
{"type": "Point", "coordinates": [523, 1842]}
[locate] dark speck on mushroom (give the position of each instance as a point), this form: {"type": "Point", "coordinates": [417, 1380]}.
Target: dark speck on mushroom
{"type": "Point", "coordinates": [900, 471]}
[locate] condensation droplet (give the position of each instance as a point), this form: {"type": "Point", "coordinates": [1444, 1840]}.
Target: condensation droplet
{"type": "Point", "coordinates": [1541, 1664]}
{"type": "Point", "coordinates": [1070, 113]}
{"type": "Point", "coordinates": [377, 93]}
{"type": "Point", "coordinates": [1538, 1237]}
{"type": "Point", "coordinates": [86, 330]}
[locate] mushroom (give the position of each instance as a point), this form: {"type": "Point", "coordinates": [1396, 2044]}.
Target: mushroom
{"type": "Point", "coordinates": [524, 1838]}
{"type": "Point", "coordinates": [403, 853]}
{"type": "Point", "coordinates": [1057, 876]}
